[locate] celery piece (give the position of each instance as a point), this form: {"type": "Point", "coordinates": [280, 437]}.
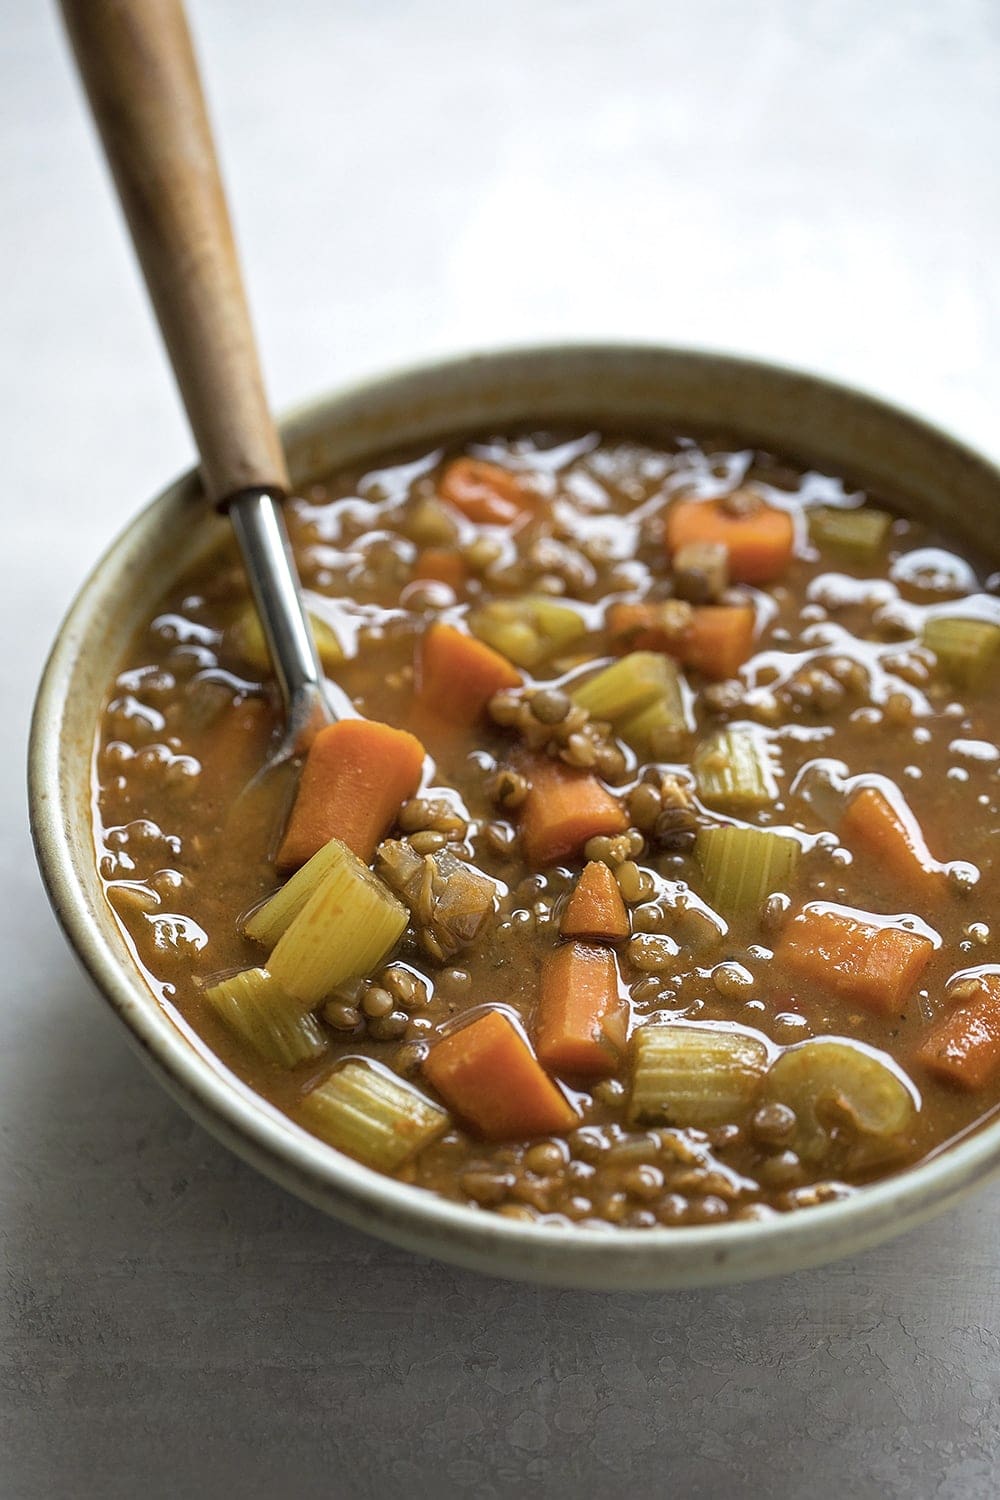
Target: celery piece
{"type": "Point", "coordinates": [372, 1115]}
{"type": "Point", "coordinates": [733, 769]}
{"type": "Point", "coordinates": [660, 727]}
{"type": "Point", "coordinates": [964, 647]}
{"type": "Point", "coordinates": [743, 865]}
{"type": "Point", "coordinates": [253, 1007]}
{"type": "Point", "coordinates": [346, 928]}
{"type": "Point", "coordinates": [694, 1075]}
{"type": "Point", "coordinates": [245, 637]}
{"type": "Point", "coordinates": [267, 922]}
{"type": "Point", "coordinates": [626, 687]}
{"type": "Point", "coordinates": [859, 533]}
{"type": "Point", "coordinates": [527, 631]}
{"type": "Point", "coordinates": [835, 1087]}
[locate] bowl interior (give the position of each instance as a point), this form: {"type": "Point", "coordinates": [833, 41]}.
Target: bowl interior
{"type": "Point", "coordinates": [799, 415]}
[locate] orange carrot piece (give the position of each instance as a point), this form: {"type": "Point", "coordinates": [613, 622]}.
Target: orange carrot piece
{"type": "Point", "coordinates": [964, 1047]}
{"type": "Point", "coordinates": [357, 775]}
{"type": "Point", "coordinates": [854, 956]}
{"type": "Point", "coordinates": [488, 1075]}
{"type": "Point", "coordinates": [484, 492]}
{"type": "Point", "coordinates": [716, 643]}
{"type": "Point", "coordinates": [890, 834]}
{"type": "Point", "coordinates": [442, 565]}
{"type": "Point", "coordinates": [580, 1012]}
{"type": "Point", "coordinates": [759, 543]}
{"type": "Point", "coordinates": [458, 675]}
{"type": "Point", "coordinates": [563, 809]}
{"type": "Point", "coordinates": [595, 909]}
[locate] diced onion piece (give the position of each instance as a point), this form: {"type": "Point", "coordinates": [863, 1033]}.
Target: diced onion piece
{"type": "Point", "coordinates": [743, 865]}
{"type": "Point", "coordinates": [266, 924]}
{"type": "Point", "coordinates": [527, 631]}
{"type": "Point", "coordinates": [835, 1086]}
{"type": "Point", "coordinates": [346, 928]}
{"type": "Point", "coordinates": [626, 687]}
{"type": "Point", "coordinates": [733, 769]}
{"type": "Point", "coordinates": [369, 1114]}
{"type": "Point", "coordinates": [253, 1007]}
{"type": "Point", "coordinates": [245, 637]}
{"type": "Point", "coordinates": [694, 1075]}
{"type": "Point", "coordinates": [963, 646]}
{"type": "Point", "coordinates": [860, 533]}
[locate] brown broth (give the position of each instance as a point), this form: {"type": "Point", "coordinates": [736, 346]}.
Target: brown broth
{"type": "Point", "coordinates": [185, 848]}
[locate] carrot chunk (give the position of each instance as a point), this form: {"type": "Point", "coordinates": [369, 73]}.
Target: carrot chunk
{"type": "Point", "coordinates": [888, 832]}
{"type": "Point", "coordinates": [716, 641]}
{"type": "Point", "coordinates": [758, 542]}
{"type": "Point", "coordinates": [488, 1075]}
{"type": "Point", "coordinates": [580, 1025]}
{"type": "Point", "coordinates": [357, 775]}
{"type": "Point", "coordinates": [457, 675]}
{"type": "Point", "coordinates": [964, 1047]}
{"type": "Point", "coordinates": [442, 565]}
{"type": "Point", "coordinates": [563, 809]}
{"type": "Point", "coordinates": [854, 956]}
{"type": "Point", "coordinates": [595, 909]}
{"type": "Point", "coordinates": [484, 492]}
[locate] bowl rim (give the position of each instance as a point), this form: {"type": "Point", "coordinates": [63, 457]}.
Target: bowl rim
{"type": "Point", "coordinates": [405, 1214]}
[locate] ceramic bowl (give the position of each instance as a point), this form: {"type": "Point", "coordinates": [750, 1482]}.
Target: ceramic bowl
{"type": "Point", "coordinates": [811, 419]}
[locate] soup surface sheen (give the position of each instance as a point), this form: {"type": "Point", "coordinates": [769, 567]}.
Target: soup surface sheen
{"type": "Point", "coordinates": [795, 661]}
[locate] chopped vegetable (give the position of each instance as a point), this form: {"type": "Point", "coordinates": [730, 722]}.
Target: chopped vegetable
{"type": "Point", "coordinates": [580, 1026]}
{"type": "Point", "coordinates": [595, 908]}
{"type": "Point", "coordinates": [252, 1006]}
{"type": "Point", "coordinates": [529, 630]}
{"type": "Point", "coordinates": [450, 900]}
{"type": "Point", "coordinates": [963, 1047]}
{"type": "Point", "coordinates": [484, 492]}
{"type": "Point", "coordinates": [701, 571]}
{"type": "Point", "coordinates": [660, 729]}
{"type": "Point", "coordinates": [733, 769]}
{"type": "Point", "coordinates": [267, 922]}
{"type": "Point", "coordinates": [686, 1074]}
{"type": "Point", "coordinates": [457, 675]}
{"type": "Point", "coordinates": [487, 1073]}
{"type": "Point", "coordinates": [357, 775]}
{"type": "Point", "coordinates": [854, 955]}
{"type": "Point", "coordinates": [626, 687]}
{"type": "Point", "coordinates": [844, 1097]}
{"type": "Point", "coordinates": [743, 865]}
{"type": "Point", "coordinates": [563, 809]}
{"type": "Point", "coordinates": [346, 928]}
{"type": "Point", "coordinates": [888, 831]}
{"type": "Point", "coordinates": [245, 637]}
{"type": "Point", "coordinates": [367, 1113]}
{"type": "Point", "coordinates": [758, 541]}
{"type": "Point", "coordinates": [713, 639]}
{"type": "Point", "coordinates": [859, 533]}
{"type": "Point", "coordinates": [442, 565]}
{"type": "Point", "coordinates": [964, 647]}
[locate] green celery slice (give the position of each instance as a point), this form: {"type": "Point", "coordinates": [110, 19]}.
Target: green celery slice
{"type": "Point", "coordinates": [373, 1116]}
{"type": "Point", "coordinates": [860, 533]}
{"type": "Point", "coordinates": [733, 769]}
{"type": "Point", "coordinates": [692, 1075]}
{"type": "Point", "coordinates": [963, 646]}
{"type": "Point", "coordinates": [254, 1008]}
{"type": "Point", "coordinates": [626, 687]}
{"type": "Point", "coordinates": [743, 865]}
{"type": "Point", "coordinates": [529, 630]}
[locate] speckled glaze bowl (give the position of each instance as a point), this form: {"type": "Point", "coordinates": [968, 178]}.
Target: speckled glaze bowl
{"type": "Point", "coordinates": [808, 418]}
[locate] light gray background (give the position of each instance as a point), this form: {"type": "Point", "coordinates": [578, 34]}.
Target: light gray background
{"type": "Point", "coordinates": [813, 181]}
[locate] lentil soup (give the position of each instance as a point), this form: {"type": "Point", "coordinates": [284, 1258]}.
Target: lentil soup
{"type": "Point", "coordinates": [654, 884]}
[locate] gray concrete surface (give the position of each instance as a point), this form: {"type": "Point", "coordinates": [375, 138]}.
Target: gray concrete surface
{"type": "Point", "coordinates": [813, 181]}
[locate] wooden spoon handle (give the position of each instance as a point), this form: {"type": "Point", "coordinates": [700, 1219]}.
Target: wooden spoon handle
{"type": "Point", "coordinates": [139, 69]}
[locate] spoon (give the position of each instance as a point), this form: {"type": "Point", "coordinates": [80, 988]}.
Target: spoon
{"type": "Point", "coordinates": [138, 67]}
